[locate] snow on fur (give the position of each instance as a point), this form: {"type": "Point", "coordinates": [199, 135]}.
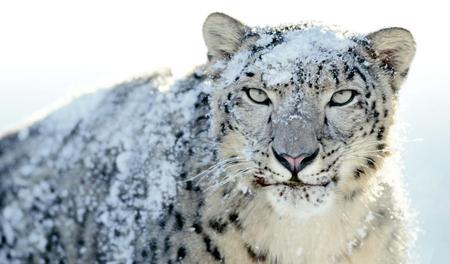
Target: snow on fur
{"type": "Point", "coordinates": [279, 62]}
{"type": "Point", "coordinates": [112, 155]}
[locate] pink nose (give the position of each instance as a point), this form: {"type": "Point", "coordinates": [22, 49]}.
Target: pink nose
{"type": "Point", "coordinates": [294, 165]}
{"type": "Point", "coordinates": [294, 162]}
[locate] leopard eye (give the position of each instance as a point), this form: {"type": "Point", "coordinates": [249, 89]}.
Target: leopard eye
{"type": "Point", "coordinates": [257, 96]}
{"type": "Point", "coordinates": [342, 97]}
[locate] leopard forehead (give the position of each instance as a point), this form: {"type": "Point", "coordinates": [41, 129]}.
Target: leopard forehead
{"type": "Point", "coordinates": [283, 55]}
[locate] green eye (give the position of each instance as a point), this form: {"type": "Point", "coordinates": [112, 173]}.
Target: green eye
{"type": "Point", "coordinates": [257, 96]}
{"type": "Point", "coordinates": [342, 97]}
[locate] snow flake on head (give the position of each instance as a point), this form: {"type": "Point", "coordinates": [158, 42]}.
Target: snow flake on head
{"type": "Point", "coordinates": [278, 54]}
{"type": "Point", "coordinates": [299, 111]}
{"type": "Point", "coordinates": [306, 46]}
{"type": "Point", "coordinates": [234, 67]}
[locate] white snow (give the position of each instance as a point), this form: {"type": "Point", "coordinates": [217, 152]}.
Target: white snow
{"type": "Point", "coordinates": [310, 45]}
{"type": "Point", "coordinates": [279, 63]}
{"type": "Point", "coordinates": [123, 136]}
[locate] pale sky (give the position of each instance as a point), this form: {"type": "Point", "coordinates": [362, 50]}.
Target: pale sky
{"type": "Point", "coordinates": [52, 49]}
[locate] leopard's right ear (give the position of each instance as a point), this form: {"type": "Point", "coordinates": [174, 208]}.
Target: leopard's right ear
{"type": "Point", "coordinates": [223, 35]}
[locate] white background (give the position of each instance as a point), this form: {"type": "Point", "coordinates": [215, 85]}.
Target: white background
{"type": "Point", "coordinates": [50, 50]}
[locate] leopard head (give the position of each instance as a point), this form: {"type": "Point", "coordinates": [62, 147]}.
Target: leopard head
{"type": "Point", "coordinates": [303, 112]}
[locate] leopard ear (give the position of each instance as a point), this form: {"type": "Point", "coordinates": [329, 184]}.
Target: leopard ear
{"type": "Point", "coordinates": [223, 35]}
{"type": "Point", "coordinates": [395, 49]}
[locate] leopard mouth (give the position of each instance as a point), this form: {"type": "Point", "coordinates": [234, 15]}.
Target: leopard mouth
{"type": "Point", "coordinates": [262, 182]}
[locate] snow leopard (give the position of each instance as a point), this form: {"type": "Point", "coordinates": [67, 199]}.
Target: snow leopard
{"type": "Point", "coordinates": [276, 150]}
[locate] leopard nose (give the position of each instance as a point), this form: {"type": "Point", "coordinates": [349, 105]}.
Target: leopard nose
{"type": "Point", "coordinates": [295, 164]}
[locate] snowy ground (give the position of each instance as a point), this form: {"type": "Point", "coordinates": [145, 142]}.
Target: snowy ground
{"type": "Point", "coordinates": [41, 66]}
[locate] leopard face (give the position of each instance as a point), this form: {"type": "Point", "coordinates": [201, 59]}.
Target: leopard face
{"type": "Point", "coordinates": [304, 111]}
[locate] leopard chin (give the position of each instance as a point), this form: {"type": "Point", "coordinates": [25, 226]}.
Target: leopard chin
{"type": "Point", "coordinates": [299, 200]}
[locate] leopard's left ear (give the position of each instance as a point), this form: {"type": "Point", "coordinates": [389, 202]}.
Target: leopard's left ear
{"type": "Point", "coordinates": [223, 35]}
{"type": "Point", "coordinates": [395, 49]}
